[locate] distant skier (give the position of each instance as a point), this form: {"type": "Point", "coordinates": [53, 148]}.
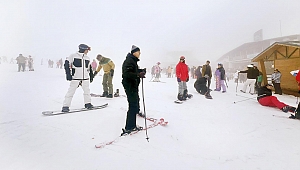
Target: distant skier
{"type": "Point", "coordinates": [81, 75]}
{"type": "Point", "coordinates": [108, 67]}
{"type": "Point", "coordinates": [157, 71]}
{"type": "Point", "coordinates": [218, 79]}
{"type": "Point", "coordinates": [198, 73]}
{"type": "Point", "coordinates": [182, 75]}
{"type": "Point", "coordinates": [131, 75]}
{"type": "Point", "coordinates": [21, 61]}
{"type": "Point", "coordinates": [30, 63]}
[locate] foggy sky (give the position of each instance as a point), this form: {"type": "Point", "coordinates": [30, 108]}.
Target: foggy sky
{"type": "Point", "coordinates": [208, 29]}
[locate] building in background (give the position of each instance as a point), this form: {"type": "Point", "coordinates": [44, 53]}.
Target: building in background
{"type": "Point", "coordinates": [241, 56]}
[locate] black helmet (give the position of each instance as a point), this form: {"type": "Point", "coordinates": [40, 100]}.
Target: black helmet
{"type": "Point", "coordinates": [84, 47]}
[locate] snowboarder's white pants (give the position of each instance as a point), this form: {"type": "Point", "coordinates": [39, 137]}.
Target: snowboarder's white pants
{"type": "Point", "coordinates": [73, 86]}
{"type": "Point", "coordinates": [181, 87]}
{"type": "Point", "coordinates": [250, 82]}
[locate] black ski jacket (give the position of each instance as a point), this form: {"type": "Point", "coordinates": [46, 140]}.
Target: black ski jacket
{"type": "Point", "coordinates": [263, 92]}
{"type": "Point", "coordinates": [251, 73]}
{"type": "Point", "coordinates": [130, 73]}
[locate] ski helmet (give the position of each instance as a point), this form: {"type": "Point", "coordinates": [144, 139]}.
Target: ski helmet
{"type": "Point", "coordinates": [84, 47]}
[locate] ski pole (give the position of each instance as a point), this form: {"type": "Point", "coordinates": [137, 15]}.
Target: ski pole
{"type": "Point", "coordinates": [248, 98]}
{"type": "Point", "coordinates": [144, 110]}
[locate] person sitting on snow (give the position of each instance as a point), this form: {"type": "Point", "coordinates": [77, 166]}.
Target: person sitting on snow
{"type": "Point", "coordinates": [265, 98]}
{"type": "Point", "coordinates": [200, 85]}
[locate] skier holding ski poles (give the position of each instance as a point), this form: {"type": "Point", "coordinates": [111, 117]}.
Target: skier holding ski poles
{"type": "Point", "coordinates": [131, 75]}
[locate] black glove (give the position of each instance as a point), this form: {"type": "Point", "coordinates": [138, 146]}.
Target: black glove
{"type": "Point", "coordinates": [68, 71]}
{"type": "Point", "coordinates": [187, 80]}
{"type": "Point", "coordinates": [95, 73]}
{"type": "Point", "coordinates": [69, 77]}
{"type": "Point", "coordinates": [299, 91]}
{"type": "Point", "coordinates": [144, 70]}
{"type": "Point", "coordinates": [112, 72]}
{"type": "Point", "coordinates": [178, 79]}
{"type": "Point", "coordinates": [142, 75]}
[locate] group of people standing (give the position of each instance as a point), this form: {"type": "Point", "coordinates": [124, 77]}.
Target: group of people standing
{"type": "Point", "coordinates": [23, 62]}
{"type": "Point", "coordinates": [78, 69]}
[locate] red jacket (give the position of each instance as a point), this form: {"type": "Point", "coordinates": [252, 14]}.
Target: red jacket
{"type": "Point", "coordinates": [182, 71]}
{"type": "Point", "coordinates": [298, 77]}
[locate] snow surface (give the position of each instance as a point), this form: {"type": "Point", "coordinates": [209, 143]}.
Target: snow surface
{"type": "Point", "coordinates": [201, 134]}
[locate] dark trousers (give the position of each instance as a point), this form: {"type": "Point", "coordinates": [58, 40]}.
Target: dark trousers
{"type": "Point", "coordinates": [21, 65]}
{"type": "Point", "coordinates": [133, 108]}
{"type": "Point", "coordinates": [277, 88]}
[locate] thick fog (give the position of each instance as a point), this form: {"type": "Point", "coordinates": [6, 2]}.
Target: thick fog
{"type": "Point", "coordinates": [163, 29]}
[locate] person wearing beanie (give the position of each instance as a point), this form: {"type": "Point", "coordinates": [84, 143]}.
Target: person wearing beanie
{"type": "Point", "coordinates": [182, 74]}
{"type": "Point", "coordinates": [131, 75]}
{"type": "Point", "coordinates": [265, 98]}
{"type": "Point", "coordinates": [79, 71]}
{"type": "Point", "coordinates": [108, 67]}
{"type": "Point", "coordinates": [252, 75]}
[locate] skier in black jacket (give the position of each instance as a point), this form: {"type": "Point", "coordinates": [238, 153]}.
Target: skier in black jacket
{"type": "Point", "coordinates": [252, 75]}
{"type": "Point", "coordinates": [200, 85]}
{"type": "Point", "coordinates": [131, 75]}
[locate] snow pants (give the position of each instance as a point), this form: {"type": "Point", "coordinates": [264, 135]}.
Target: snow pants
{"type": "Point", "coordinates": [133, 108]}
{"type": "Point", "coordinates": [107, 83]}
{"type": "Point", "coordinates": [181, 87]}
{"type": "Point", "coordinates": [222, 85]}
{"type": "Point", "coordinates": [73, 86]}
{"type": "Point", "coordinates": [271, 101]}
{"type": "Point", "coordinates": [250, 82]}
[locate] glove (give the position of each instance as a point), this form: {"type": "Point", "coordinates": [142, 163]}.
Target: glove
{"type": "Point", "coordinates": [142, 75]}
{"type": "Point", "coordinates": [299, 91]}
{"type": "Point", "coordinates": [187, 80]}
{"type": "Point", "coordinates": [69, 77]}
{"type": "Point", "coordinates": [112, 72]}
{"type": "Point", "coordinates": [95, 73]}
{"type": "Point", "coordinates": [91, 79]}
{"type": "Point", "coordinates": [178, 79]}
{"type": "Point", "coordinates": [144, 70]}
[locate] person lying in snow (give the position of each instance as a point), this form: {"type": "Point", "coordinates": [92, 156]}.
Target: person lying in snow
{"type": "Point", "coordinates": [265, 98]}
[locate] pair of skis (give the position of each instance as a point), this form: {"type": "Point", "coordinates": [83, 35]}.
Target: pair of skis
{"type": "Point", "coordinates": [155, 123]}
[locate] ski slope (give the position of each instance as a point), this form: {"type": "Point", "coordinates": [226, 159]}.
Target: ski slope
{"type": "Point", "coordinates": [201, 133]}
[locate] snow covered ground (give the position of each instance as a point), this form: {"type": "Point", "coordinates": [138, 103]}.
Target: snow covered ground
{"type": "Point", "coordinates": [201, 134]}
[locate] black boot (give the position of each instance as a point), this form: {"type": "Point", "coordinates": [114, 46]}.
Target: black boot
{"type": "Point", "coordinates": [65, 109]}
{"type": "Point", "coordinates": [109, 96]}
{"type": "Point", "coordinates": [104, 94]}
{"type": "Point", "coordinates": [88, 106]}
{"type": "Point", "coordinates": [180, 97]}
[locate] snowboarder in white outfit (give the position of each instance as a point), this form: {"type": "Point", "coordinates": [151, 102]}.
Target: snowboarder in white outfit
{"type": "Point", "coordinates": [79, 72]}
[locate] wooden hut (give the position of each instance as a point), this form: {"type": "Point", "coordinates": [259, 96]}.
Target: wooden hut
{"type": "Point", "coordinates": [285, 57]}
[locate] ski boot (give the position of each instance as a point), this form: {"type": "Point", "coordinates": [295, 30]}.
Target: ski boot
{"type": "Point", "coordinates": [127, 132]}
{"type": "Point", "coordinates": [207, 95]}
{"type": "Point", "coordinates": [109, 96]}
{"type": "Point", "coordinates": [180, 97]}
{"type": "Point", "coordinates": [88, 106]}
{"type": "Point", "coordinates": [117, 93]}
{"type": "Point", "coordinates": [65, 109]}
{"type": "Point", "coordinates": [104, 94]}
{"type": "Point", "coordinates": [288, 109]}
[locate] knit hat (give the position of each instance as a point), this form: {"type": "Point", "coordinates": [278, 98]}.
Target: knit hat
{"type": "Point", "coordinates": [250, 66]}
{"type": "Point", "coordinates": [182, 58]}
{"type": "Point", "coordinates": [134, 49]}
{"type": "Point", "coordinates": [158, 63]}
